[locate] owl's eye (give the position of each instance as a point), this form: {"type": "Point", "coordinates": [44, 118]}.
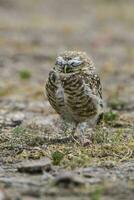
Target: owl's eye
{"type": "Point", "coordinates": [74, 62]}
{"type": "Point", "coordinates": [60, 61]}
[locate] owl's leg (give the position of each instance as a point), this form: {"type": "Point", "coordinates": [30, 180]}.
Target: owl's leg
{"type": "Point", "coordinates": [82, 128]}
{"type": "Point", "coordinates": [69, 129]}
{"type": "Point", "coordinates": [65, 128]}
{"type": "Point", "coordinates": [100, 118]}
{"type": "Point", "coordinates": [92, 124]}
{"type": "Point", "coordinates": [73, 129]}
{"type": "Point", "coordinates": [72, 133]}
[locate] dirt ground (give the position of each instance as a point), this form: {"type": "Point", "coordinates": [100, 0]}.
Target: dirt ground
{"type": "Point", "coordinates": [37, 159]}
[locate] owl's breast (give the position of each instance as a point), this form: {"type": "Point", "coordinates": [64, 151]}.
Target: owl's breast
{"type": "Point", "coordinates": [71, 97]}
{"type": "Point", "coordinates": [78, 104]}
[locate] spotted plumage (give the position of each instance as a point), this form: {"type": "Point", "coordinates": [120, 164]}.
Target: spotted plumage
{"type": "Point", "coordinates": [74, 89]}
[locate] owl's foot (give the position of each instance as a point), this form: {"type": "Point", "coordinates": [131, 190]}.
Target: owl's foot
{"type": "Point", "coordinates": [73, 134]}
{"type": "Point", "coordinates": [84, 140]}
{"type": "Point", "coordinates": [100, 119]}
{"type": "Point", "coordinates": [87, 142]}
{"type": "Point", "coordinates": [67, 128]}
{"type": "Point", "coordinates": [75, 140]}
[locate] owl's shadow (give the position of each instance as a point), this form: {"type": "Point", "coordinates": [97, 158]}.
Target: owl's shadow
{"type": "Point", "coordinates": [64, 140]}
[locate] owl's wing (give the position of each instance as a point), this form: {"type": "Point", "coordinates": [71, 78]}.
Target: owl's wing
{"type": "Point", "coordinates": [97, 85]}
{"type": "Point", "coordinates": [51, 88]}
{"type": "Point", "coordinates": [54, 92]}
{"type": "Point", "coordinates": [94, 83]}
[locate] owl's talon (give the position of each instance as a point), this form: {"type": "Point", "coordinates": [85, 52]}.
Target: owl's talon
{"type": "Point", "coordinates": [75, 140]}
{"type": "Point", "coordinates": [87, 142]}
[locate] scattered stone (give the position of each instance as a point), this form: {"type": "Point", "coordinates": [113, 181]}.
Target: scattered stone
{"type": "Point", "coordinates": [19, 106]}
{"type": "Point", "coordinates": [12, 119]}
{"type": "Point", "coordinates": [46, 176]}
{"type": "Point", "coordinates": [40, 121]}
{"type": "Point", "coordinates": [108, 164]}
{"type": "Point", "coordinates": [87, 142]}
{"type": "Point", "coordinates": [36, 166]}
{"type": "Point", "coordinates": [92, 172]}
{"type": "Point", "coordinates": [67, 180]}
{"type": "Point", "coordinates": [1, 120]}
{"type": "Point", "coordinates": [119, 124]}
{"type": "Point", "coordinates": [1, 170]}
{"type": "Point", "coordinates": [36, 107]}
{"type": "Point", "coordinates": [3, 196]}
{"type": "Point", "coordinates": [19, 182]}
{"type": "Point", "coordinates": [93, 180]}
{"type": "Point", "coordinates": [17, 119]}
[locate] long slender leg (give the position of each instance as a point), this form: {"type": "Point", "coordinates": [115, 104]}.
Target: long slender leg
{"type": "Point", "coordinates": [69, 129]}
{"type": "Point", "coordinates": [65, 127]}
{"type": "Point", "coordinates": [100, 119]}
{"type": "Point", "coordinates": [74, 127]}
{"type": "Point", "coordinates": [92, 124]}
{"type": "Point", "coordinates": [73, 132]}
{"type": "Point", "coordinates": [83, 127]}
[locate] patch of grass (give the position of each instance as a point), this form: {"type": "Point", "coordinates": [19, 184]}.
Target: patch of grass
{"type": "Point", "coordinates": [103, 136]}
{"type": "Point", "coordinates": [6, 90]}
{"type": "Point", "coordinates": [108, 145]}
{"type": "Point", "coordinates": [57, 156]}
{"type": "Point", "coordinates": [25, 74]}
{"type": "Point", "coordinates": [96, 195]}
{"type": "Point", "coordinates": [18, 130]}
{"type": "Point", "coordinates": [2, 92]}
{"type": "Point", "coordinates": [110, 116]}
{"type": "Point", "coordinates": [35, 153]}
{"type": "Point", "coordinates": [117, 104]}
{"type": "Point", "coordinates": [23, 136]}
{"type": "Point", "coordinates": [100, 136]}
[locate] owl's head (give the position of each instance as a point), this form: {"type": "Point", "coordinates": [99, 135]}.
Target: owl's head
{"type": "Point", "coordinates": [73, 61]}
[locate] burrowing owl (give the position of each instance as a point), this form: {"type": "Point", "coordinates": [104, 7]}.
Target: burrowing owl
{"type": "Point", "coordinates": [74, 89]}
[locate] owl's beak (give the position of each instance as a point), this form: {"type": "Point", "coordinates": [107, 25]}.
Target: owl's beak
{"type": "Point", "coordinates": [65, 68]}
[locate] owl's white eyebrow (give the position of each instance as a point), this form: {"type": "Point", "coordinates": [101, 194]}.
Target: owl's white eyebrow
{"type": "Point", "coordinates": [76, 58]}
{"type": "Point", "coordinates": [60, 61]}
{"type": "Point", "coordinates": [75, 62]}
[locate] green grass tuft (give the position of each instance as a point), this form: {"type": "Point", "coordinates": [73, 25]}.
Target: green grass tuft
{"type": "Point", "coordinates": [18, 130]}
{"type": "Point", "coordinates": [96, 195]}
{"type": "Point", "coordinates": [57, 156]}
{"type": "Point", "coordinates": [25, 74]}
{"type": "Point", "coordinates": [117, 104]}
{"type": "Point", "coordinates": [110, 116]}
